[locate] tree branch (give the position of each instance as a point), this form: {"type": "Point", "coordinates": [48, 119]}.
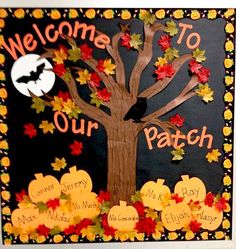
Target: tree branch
{"type": "Point", "coordinates": [89, 110]}
{"type": "Point", "coordinates": [160, 85]}
{"type": "Point", "coordinates": [114, 52]}
{"type": "Point", "coordinates": [180, 99]}
{"type": "Point", "coordinates": [144, 57]}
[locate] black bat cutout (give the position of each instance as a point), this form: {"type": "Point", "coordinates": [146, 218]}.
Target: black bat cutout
{"type": "Point", "coordinates": [34, 76]}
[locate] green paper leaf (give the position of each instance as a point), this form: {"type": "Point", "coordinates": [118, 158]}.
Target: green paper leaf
{"type": "Point", "coordinates": [65, 197]}
{"type": "Point", "coordinates": [136, 197]}
{"type": "Point", "coordinates": [38, 104]}
{"type": "Point", "coordinates": [135, 41]}
{"type": "Point", "coordinates": [74, 54]}
{"type": "Point", "coordinates": [95, 100]}
{"type": "Point", "coordinates": [171, 28]}
{"type": "Point", "coordinates": [55, 230]}
{"type": "Point", "coordinates": [178, 154]}
{"type": "Point", "coordinates": [105, 207]}
{"type": "Point", "coordinates": [97, 228]}
{"type": "Point", "coordinates": [171, 53]}
{"type": "Point", "coordinates": [147, 17]}
{"type": "Point", "coordinates": [199, 55]}
{"type": "Point", "coordinates": [66, 77]}
{"type": "Point", "coordinates": [42, 207]}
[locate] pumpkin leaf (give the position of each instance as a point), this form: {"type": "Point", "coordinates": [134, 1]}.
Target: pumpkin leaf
{"type": "Point", "coordinates": [55, 230]}
{"type": "Point", "coordinates": [105, 207]}
{"type": "Point", "coordinates": [74, 54]}
{"type": "Point", "coordinates": [42, 207]}
{"type": "Point", "coordinates": [178, 154]}
{"type": "Point", "coordinates": [199, 55]}
{"type": "Point", "coordinates": [171, 28]}
{"type": "Point", "coordinates": [137, 197]}
{"type": "Point", "coordinates": [38, 104]}
{"type": "Point", "coordinates": [135, 41]}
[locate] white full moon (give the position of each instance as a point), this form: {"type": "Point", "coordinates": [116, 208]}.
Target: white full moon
{"type": "Point", "coordinates": [38, 79]}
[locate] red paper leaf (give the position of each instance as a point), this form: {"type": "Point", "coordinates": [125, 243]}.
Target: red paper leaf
{"type": "Point", "coordinates": [53, 203]}
{"type": "Point", "coordinates": [164, 42]}
{"type": "Point", "coordinates": [221, 204]}
{"type": "Point", "coordinates": [195, 226]}
{"type": "Point", "coordinates": [64, 95]}
{"type": "Point", "coordinates": [103, 196]}
{"type": "Point", "coordinates": [125, 40]}
{"type": "Point", "coordinates": [64, 48]}
{"type": "Point", "coordinates": [104, 95]}
{"type": "Point", "coordinates": [164, 71]}
{"type": "Point", "coordinates": [139, 207]}
{"type": "Point", "coordinates": [20, 196]}
{"type": "Point", "coordinates": [146, 225]}
{"type": "Point", "coordinates": [83, 224]}
{"type": "Point", "coordinates": [59, 69]}
{"type": "Point", "coordinates": [95, 80]}
{"type": "Point", "coordinates": [177, 120]}
{"type": "Point", "coordinates": [107, 229]}
{"type": "Point", "coordinates": [100, 66]}
{"type": "Point", "coordinates": [76, 148]}
{"type": "Point", "coordinates": [29, 130]}
{"type": "Point", "coordinates": [194, 66]}
{"type": "Point", "coordinates": [69, 230]}
{"type": "Point", "coordinates": [86, 52]}
{"type": "Point", "coordinates": [176, 198]}
{"type": "Point", "coordinates": [203, 75]}
{"type": "Point", "coordinates": [209, 199]}
{"type": "Point", "coordinates": [43, 230]}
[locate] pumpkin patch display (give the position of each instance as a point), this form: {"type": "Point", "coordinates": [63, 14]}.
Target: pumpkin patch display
{"type": "Point", "coordinates": [176, 216]}
{"type": "Point", "coordinates": [123, 217]}
{"type": "Point", "coordinates": [76, 181]}
{"type": "Point", "coordinates": [26, 218]}
{"type": "Point", "coordinates": [209, 217]}
{"type": "Point", "coordinates": [153, 194]}
{"type": "Point", "coordinates": [190, 189]}
{"type": "Point", "coordinates": [44, 188]}
{"type": "Point", "coordinates": [85, 205]}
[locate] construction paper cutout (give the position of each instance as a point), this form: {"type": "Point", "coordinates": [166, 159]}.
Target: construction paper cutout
{"type": "Point", "coordinates": [123, 217]}
{"type": "Point", "coordinates": [26, 218]}
{"type": "Point", "coordinates": [44, 188]}
{"type": "Point", "coordinates": [57, 217]}
{"type": "Point", "coordinates": [153, 194]}
{"type": "Point", "coordinates": [85, 205]}
{"type": "Point", "coordinates": [209, 217]}
{"type": "Point", "coordinates": [76, 181]}
{"type": "Point", "coordinates": [176, 216]}
{"type": "Point", "coordinates": [190, 189]}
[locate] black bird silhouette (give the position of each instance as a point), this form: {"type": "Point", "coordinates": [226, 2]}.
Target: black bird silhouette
{"type": "Point", "coordinates": [137, 110]}
{"type": "Point", "coordinates": [34, 76]}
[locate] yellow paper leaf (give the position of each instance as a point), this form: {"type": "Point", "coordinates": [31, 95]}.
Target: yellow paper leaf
{"type": "Point", "coordinates": [59, 164]}
{"type": "Point", "coordinates": [57, 104]}
{"type": "Point", "coordinates": [71, 109]}
{"type": "Point", "coordinates": [205, 92]}
{"type": "Point", "coordinates": [178, 154]}
{"type": "Point", "coordinates": [109, 67]}
{"type": "Point", "coordinates": [213, 156]}
{"type": "Point", "coordinates": [135, 41]}
{"type": "Point", "coordinates": [160, 62]}
{"type": "Point", "coordinates": [47, 127]}
{"type": "Point", "coordinates": [38, 104]}
{"type": "Point", "coordinates": [151, 213]}
{"type": "Point", "coordinates": [59, 56]}
{"type": "Point", "coordinates": [84, 77]}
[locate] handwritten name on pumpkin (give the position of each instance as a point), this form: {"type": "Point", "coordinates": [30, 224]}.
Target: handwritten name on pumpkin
{"type": "Point", "coordinates": [20, 44]}
{"type": "Point", "coordinates": [163, 139]}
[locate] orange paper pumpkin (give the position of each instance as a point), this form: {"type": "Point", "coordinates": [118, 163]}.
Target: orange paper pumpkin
{"type": "Point", "coordinates": [57, 217]}
{"type": "Point", "coordinates": [176, 216]}
{"type": "Point", "coordinates": [190, 189]}
{"type": "Point", "coordinates": [26, 218]}
{"type": "Point", "coordinates": [123, 217]}
{"type": "Point", "coordinates": [76, 181]}
{"type": "Point", "coordinates": [209, 217]}
{"type": "Point", "coordinates": [153, 194]}
{"type": "Point", "coordinates": [85, 205]}
{"type": "Point", "coordinates": [44, 188]}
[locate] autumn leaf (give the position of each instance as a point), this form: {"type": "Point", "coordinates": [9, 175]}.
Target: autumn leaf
{"type": "Point", "coordinates": [95, 100]}
{"type": "Point", "coordinates": [59, 164]}
{"type": "Point", "coordinates": [53, 203]}
{"type": "Point", "coordinates": [64, 95]}
{"type": "Point", "coordinates": [147, 17]}
{"type": "Point", "coordinates": [74, 54]}
{"type": "Point", "coordinates": [57, 103]}
{"type": "Point", "coordinates": [151, 213]}
{"type": "Point", "coordinates": [67, 77]}
{"type": "Point", "coordinates": [70, 108]}
{"type": "Point", "coordinates": [203, 75]}
{"type": "Point", "coordinates": [47, 127]}
{"type": "Point", "coordinates": [84, 77]}
{"type": "Point", "coordinates": [95, 80]}
{"type": "Point", "coordinates": [177, 120]}
{"type": "Point", "coordinates": [103, 95]}
{"type": "Point", "coordinates": [125, 40]}
{"type": "Point", "coordinates": [105, 207]}
{"type": "Point", "coordinates": [43, 230]}
{"type": "Point", "coordinates": [135, 41]}
{"type": "Point", "coordinates": [42, 207]}
{"type": "Point", "coordinates": [86, 52]}
{"type": "Point", "coordinates": [76, 148]}
{"type": "Point", "coordinates": [164, 71]}
{"type": "Point", "coordinates": [178, 154]}
{"type": "Point", "coordinates": [55, 230]}
{"type": "Point", "coordinates": [213, 156]}
{"type": "Point", "coordinates": [97, 228]}
{"type": "Point", "coordinates": [171, 54]}
{"type": "Point", "coordinates": [109, 67]}
{"type": "Point", "coordinates": [136, 197]}
{"type": "Point", "coordinates": [29, 130]}
{"type": "Point", "coordinates": [38, 104]}
{"type": "Point", "coordinates": [194, 66]}
{"type": "Point", "coordinates": [59, 69]}
{"type": "Point", "coordinates": [199, 55]}
{"type": "Point", "coordinates": [205, 92]}
{"type": "Point", "coordinates": [171, 28]}
{"type": "Point", "coordinates": [164, 42]}
{"type": "Point", "coordinates": [59, 56]}
{"type": "Point", "coordinates": [160, 62]}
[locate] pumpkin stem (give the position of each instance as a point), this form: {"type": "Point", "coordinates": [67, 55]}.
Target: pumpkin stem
{"type": "Point", "coordinates": [123, 203]}
{"type": "Point", "coordinates": [73, 169]}
{"type": "Point", "coordinates": [160, 182]}
{"type": "Point", "coordinates": [38, 176]}
{"type": "Point", "coordinates": [185, 177]}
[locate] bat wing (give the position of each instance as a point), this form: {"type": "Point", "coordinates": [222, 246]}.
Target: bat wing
{"type": "Point", "coordinates": [23, 79]}
{"type": "Point", "coordinates": [40, 69]}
